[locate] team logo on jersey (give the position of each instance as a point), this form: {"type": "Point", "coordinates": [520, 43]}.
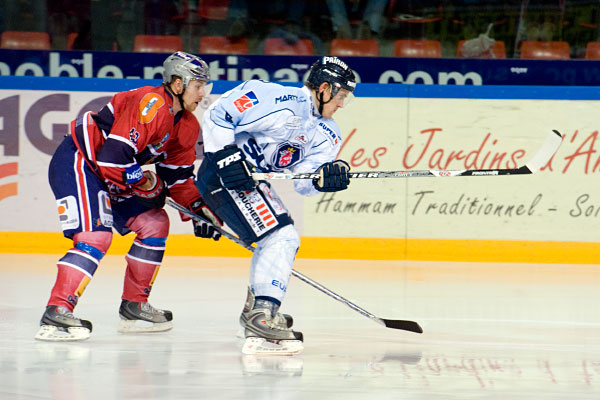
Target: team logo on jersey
{"type": "Point", "coordinates": [246, 102]}
{"type": "Point", "coordinates": [286, 155]}
{"type": "Point", "coordinates": [134, 136]}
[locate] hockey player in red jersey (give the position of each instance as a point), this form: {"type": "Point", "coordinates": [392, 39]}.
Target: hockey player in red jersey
{"type": "Point", "coordinates": [97, 178]}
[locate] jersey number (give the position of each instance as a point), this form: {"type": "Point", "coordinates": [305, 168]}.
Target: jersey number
{"type": "Point", "coordinates": [253, 150]}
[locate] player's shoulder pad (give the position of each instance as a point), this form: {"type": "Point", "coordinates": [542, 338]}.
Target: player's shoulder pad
{"type": "Point", "coordinates": [331, 131]}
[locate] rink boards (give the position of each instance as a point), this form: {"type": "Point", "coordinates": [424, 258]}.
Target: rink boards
{"type": "Point", "coordinates": [548, 217]}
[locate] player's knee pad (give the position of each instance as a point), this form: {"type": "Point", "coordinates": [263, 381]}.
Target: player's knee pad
{"type": "Point", "coordinates": [94, 243]}
{"type": "Point", "coordinates": [150, 224]}
{"type": "Point", "coordinates": [286, 238]}
{"type": "Point", "coordinates": [88, 250]}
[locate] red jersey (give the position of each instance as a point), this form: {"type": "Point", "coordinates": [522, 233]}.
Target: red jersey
{"type": "Point", "coordinates": [135, 128]}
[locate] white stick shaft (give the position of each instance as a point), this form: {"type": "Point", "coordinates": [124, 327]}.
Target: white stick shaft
{"type": "Point", "coordinates": [540, 159]}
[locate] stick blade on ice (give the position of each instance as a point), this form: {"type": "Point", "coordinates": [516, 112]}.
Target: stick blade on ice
{"type": "Point", "coordinates": [411, 326]}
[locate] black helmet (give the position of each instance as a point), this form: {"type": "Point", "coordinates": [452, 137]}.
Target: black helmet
{"type": "Point", "coordinates": [335, 72]}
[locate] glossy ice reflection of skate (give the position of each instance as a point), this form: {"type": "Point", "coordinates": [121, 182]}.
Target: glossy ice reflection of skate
{"type": "Point", "coordinates": [272, 366]}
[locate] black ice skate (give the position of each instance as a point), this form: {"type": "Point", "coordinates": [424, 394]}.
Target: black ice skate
{"type": "Point", "coordinates": [142, 317]}
{"type": "Point", "coordinates": [58, 324]}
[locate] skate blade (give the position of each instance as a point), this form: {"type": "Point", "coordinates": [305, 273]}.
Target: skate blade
{"type": "Point", "coordinates": [259, 346]}
{"type": "Point", "coordinates": [51, 333]}
{"type": "Point", "coordinates": [139, 326]}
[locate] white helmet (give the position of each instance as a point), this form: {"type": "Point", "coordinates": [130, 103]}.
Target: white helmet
{"type": "Point", "coordinates": [186, 66]}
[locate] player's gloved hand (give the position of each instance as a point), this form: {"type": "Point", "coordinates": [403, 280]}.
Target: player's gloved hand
{"type": "Point", "coordinates": [233, 168]}
{"type": "Point", "coordinates": [334, 176]}
{"type": "Point", "coordinates": [205, 229]}
{"type": "Point", "coordinates": [150, 191]}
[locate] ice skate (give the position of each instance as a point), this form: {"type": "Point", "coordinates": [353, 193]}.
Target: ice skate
{"type": "Point", "coordinates": [285, 320]}
{"type": "Point", "coordinates": [267, 331]}
{"type": "Point", "coordinates": [142, 317]}
{"type": "Point", "coordinates": [58, 324]}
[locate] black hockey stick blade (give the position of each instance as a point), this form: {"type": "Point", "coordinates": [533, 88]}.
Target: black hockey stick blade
{"type": "Point", "coordinates": [411, 326]}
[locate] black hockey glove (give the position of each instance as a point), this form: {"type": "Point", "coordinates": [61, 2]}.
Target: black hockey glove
{"type": "Point", "coordinates": [150, 192]}
{"type": "Point", "coordinates": [233, 168]}
{"type": "Point", "coordinates": [205, 229]}
{"type": "Point", "coordinates": [334, 176]}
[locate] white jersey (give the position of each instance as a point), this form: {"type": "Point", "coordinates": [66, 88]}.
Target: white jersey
{"type": "Point", "coordinates": [276, 126]}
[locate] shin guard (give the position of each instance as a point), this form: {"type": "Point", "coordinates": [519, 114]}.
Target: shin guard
{"type": "Point", "coordinates": [77, 267]}
{"type": "Point", "coordinates": [143, 262]}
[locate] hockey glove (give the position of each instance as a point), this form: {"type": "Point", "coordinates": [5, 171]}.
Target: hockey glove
{"type": "Point", "coordinates": [233, 168]}
{"type": "Point", "coordinates": [334, 176]}
{"type": "Point", "coordinates": [205, 229]}
{"type": "Point", "coordinates": [150, 191]}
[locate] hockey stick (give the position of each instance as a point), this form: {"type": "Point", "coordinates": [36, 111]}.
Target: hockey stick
{"type": "Point", "coordinates": [540, 159]}
{"type": "Point", "coordinates": [388, 323]}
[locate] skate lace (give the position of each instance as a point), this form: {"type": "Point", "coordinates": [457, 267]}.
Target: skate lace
{"type": "Point", "coordinates": [146, 307]}
{"type": "Point", "coordinates": [65, 312]}
{"type": "Point", "coordinates": [276, 322]}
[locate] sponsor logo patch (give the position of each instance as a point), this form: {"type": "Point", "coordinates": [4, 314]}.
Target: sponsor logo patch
{"type": "Point", "coordinates": [132, 174]}
{"type": "Point", "coordinates": [255, 211]}
{"type": "Point", "coordinates": [105, 209]}
{"type": "Point", "coordinates": [293, 122]}
{"type": "Point", "coordinates": [159, 145]}
{"type": "Point", "coordinates": [246, 102]}
{"type": "Point", "coordinates": [149, 106]}
{"type": "Point", "coordinates": [302, 139]}
{"type": "Point", "coordinates": [68, 212]}
{"type": "Point", "coordinates": [329, 133]}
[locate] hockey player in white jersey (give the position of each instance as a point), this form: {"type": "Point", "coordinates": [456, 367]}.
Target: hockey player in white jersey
{"type": "Point", "coordinates": [268, 127]}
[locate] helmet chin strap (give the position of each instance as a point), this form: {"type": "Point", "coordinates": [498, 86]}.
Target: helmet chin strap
{"type": "Point", "coordinates": [322, 103]}
{"type": "Point", "coordinates": [179, 96]}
